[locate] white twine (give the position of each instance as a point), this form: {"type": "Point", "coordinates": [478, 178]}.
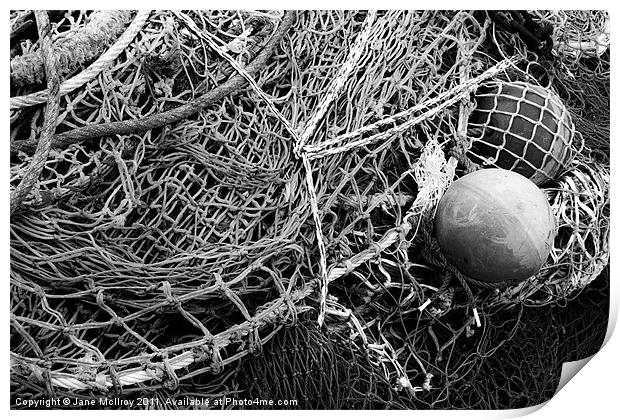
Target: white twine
{"type": "Point", "coordinates": [91, 71]}
{"type": "Point", "coordinates": [336, 85]}
{"type": "Point", "coordinates": [333, 91]}
{"type": "Point", "coordinates": [434, 105]}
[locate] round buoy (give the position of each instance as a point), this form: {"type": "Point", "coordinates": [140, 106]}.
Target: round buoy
{"type": "Point", "coordinates": [495, 225]}
{"type": "Point", "coordinates": [521, 127]}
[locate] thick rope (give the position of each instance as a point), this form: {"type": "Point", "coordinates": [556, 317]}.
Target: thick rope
{"type": "Point", "coordinates": [314, 208]}
{"type": "Point", "coordinates": [172, 362]}
{"type": "Point", "coordinates": [453, 96]}
{"type": "Point", "coordinates": [182, 112]}
{"type": "Point", "coordinates": [457, 94]}
{"type": "Point", "coordinates": [462, 142]}
{"type": "Point", "coordinates": [434, 106]}
{"type": "Point", "coordinates": [138, 375]}
{"type": "Point", "coordinates": [92, 71]}
{"type": "Point", "coordinates": [73, 49]}
{"type": "Point", "coordinates": [33, 171]}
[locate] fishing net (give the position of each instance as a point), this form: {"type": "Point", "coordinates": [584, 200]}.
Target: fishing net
{"type": "Point", "coordinates": [238, 203]}
{"type": "Point", "coordinates": [522, 128]}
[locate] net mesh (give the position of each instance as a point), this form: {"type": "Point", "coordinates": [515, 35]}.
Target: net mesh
{"type": "Point", "coordinates": [154, 262]}
{"type": "Point", "coordinates": [580, 73]}
{"type": "Point", "coordinates": [522, 128]}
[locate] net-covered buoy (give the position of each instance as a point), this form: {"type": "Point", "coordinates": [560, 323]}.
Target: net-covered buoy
{"type": "Point", "coordinates": [521, 127]}
{"type": "Point", "coordinates": [495, 225]}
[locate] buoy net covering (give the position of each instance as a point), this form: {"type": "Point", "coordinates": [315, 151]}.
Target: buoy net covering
{"type": "Point", "coordinates": [521, 127]}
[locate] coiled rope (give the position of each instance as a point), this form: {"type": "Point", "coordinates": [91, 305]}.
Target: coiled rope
{"type": "Point", "coordinates": [91, 72]}
{"type": "Point", "coordinates": [182, 112]}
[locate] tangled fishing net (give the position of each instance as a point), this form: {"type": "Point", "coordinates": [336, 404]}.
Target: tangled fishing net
{"type": "Point", "coordinates": [222, 203]}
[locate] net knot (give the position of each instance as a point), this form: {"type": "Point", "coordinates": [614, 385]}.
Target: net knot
{"type": "Point", "coordinates": [38, 290]}
{"type": "Point", "coordinates": [459, 151]}
{"type": "Point", "coordinates": [117, 321]}
{"type": "Point", "coordinates": [377, 248]}
{"type": "Point", "coordinates": [220, 284]}
{"type": "Point", "coordinates": [348, 265]}
{"type": "Point", "coordinates": [172, 380]}
{"type": "Point", "coordinates": [292, 310]}
{"type": "Point", "coordinates": [254, 342]}
{"type": "Point", "coordinates": [44, 363]}
{"type": "Point", "coordinates": [216, 360]}
{"type": "Point", "coordinates": [172, 300]}
{"type": "Point", "coordinates": [203, 353]}
{"type": "Point", "coordinates": [116, 383]}
{"type": "Point", "coordinates": [39, 373]}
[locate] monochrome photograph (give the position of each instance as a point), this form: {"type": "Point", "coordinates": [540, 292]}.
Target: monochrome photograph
{"type": "Point", "coordinates": [306, 209]}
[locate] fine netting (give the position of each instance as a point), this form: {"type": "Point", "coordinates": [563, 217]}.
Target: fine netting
{"type": "Point", "coordinates": [579, 70]}
{"type": "Point", "coordinates": [231, 175]}
{"type": "Point", "coordinates": [319, 370]}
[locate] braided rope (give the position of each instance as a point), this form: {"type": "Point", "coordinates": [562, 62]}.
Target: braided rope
{"type": "Point", "coordinates": [156, 370]}
{"type": "Point", "coordinates": [336, 85]}
{"type": "Point", "coordinates": [333, 90]}
{"type": "Point", "coordinates": [167, 117]}
{"type": "Point", "coordinates": [463, 143]}
{"type": "Point", "coordinates": [420, 215]}
{"type": "Point", "coordinates": [433, 174]}
{"type": "Point", "coordinates": [74, 48]}
{"type": "Point", "coordinates": [169, 365]}
{"type": "Point", "coordinates": [33, 171]}
{"type": "Point", "coordinates": [442, 101]}
{"type": "Point", "coordinates": [89, 73]}
{"type": "Point", "coordinates": [459, 92]}
{"type": "Point", "coordinates": [314, 207]}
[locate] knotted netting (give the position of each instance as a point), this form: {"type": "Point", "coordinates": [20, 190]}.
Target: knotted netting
{"type": "Point", "coordinates": [227, 177]}
{"type": "Point", "coordinates": [523, 128]}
